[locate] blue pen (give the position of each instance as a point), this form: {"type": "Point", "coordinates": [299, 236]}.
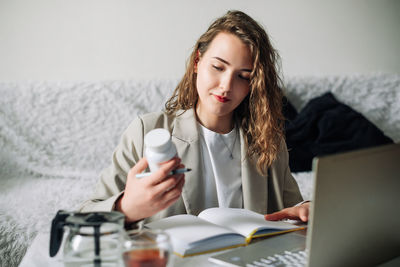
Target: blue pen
{"type": "Point", "coordinates": [145, 174]}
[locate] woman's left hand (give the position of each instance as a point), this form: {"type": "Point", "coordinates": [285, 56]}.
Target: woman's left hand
{"type": "Point", "coordinates": [293, 213]}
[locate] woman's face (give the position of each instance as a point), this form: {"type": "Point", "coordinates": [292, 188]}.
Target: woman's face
{"type": "Point", "coordinates": [223, 77]}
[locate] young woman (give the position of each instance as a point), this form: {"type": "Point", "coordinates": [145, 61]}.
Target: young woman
{"type": "Point", "coordinates": [226, 122]}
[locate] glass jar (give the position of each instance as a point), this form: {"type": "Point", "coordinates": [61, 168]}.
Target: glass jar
{"type": "Point", "coordinates": [93, 239]}
{"type": "Point", "coordinates": [147, 248]}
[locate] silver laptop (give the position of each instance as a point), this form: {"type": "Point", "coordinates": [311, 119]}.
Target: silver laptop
{"type": "Point", "coordinates": [354, 219]}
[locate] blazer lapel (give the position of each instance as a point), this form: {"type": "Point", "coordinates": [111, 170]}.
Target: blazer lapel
{"type": "Point", "coordinates": [254, 185]}
{"type": "Point", "coordinates": [186, 137]}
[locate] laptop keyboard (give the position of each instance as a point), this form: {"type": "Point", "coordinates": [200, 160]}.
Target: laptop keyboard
{"type": "Point", "coordinates": [287, 258]}
{"type": "Point", "coordinates": [282, 250]}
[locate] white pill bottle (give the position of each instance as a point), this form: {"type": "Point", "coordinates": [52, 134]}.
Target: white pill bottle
{"type": "Point", "coordinates": [158, 148]}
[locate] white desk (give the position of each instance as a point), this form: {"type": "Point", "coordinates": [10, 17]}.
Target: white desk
{"type": "Point", "coordinates": [37, 255]}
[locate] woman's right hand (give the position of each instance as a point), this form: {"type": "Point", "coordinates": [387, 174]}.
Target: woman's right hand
{"type": "Point", "coordinates": [144, 197]}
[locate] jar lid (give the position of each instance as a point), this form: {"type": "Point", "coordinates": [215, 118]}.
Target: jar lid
{"type": "Point", "coordinates": [158, 139]}
{"type": "Point", "coordinates": [95, 218]}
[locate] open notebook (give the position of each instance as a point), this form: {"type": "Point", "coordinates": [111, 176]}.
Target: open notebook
{"type": "Point", "coordinates": [217, 229]}
{"type": "Point", "coordinates": [354, 218]}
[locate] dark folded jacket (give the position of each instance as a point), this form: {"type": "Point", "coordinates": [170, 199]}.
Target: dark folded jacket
{"type": "Point", "coordinates": [326, 126]}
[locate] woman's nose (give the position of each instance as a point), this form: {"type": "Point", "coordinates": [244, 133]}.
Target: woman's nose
{"type": "Point", "coordinates": [226, 82]}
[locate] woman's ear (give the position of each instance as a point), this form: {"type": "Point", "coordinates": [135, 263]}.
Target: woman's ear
{"type": "Point", "coordinates": [196, 60]}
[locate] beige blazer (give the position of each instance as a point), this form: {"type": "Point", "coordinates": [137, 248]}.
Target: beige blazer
{"type": "Point", "coordinates": [263, 194]}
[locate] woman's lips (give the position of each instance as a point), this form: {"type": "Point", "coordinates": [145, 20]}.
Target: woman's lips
{"type": "Point", "coordinates": [221, 98]}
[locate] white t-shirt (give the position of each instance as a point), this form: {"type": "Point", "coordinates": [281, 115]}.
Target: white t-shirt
{"type": "Point", "coordinates": [222, 174]}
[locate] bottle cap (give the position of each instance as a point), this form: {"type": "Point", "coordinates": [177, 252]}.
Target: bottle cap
{"type": "Point", "coordinates": [158, 139]}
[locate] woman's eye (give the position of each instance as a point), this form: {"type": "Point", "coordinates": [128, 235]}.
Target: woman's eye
{"type": "Point", "coordinates": [244, 78]}
{"type": "Point", "coordinates": [217, 68]}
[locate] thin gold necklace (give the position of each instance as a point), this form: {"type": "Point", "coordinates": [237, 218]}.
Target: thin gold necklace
{"type": "Point", "coordinates": [233, 145]}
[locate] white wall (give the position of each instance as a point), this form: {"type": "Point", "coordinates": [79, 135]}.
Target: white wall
{"type": "Point", "coordinates": [127, 39]}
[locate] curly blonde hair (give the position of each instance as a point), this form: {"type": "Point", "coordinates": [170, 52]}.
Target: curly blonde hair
{"type": "Point", "coordinates": [260, 113]}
